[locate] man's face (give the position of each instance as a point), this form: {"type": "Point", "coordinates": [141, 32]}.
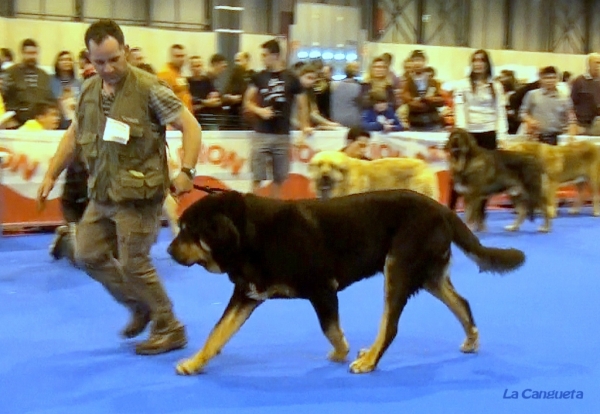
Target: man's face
{"type": "Point", "coordinates": [269, 59]}
{"type": "Point", "coordinates": [418, 64]}
{"type": "Point", "coordinates": [177, 57]}
{"type": "Point", "coordinates": [240, 60]}
{"type": "Point", "coordinates": [196, 66]}
{"type": "Point", "coordinates": [549, 81]}
{"type": "Point", "coordinates": [136, 58]}
{"type": "Point", "coordinates": [219, 68]}
{"type": "Point", "coordinates": [109, 59]}
{"type": "Point", "coordinates": [30, 55]}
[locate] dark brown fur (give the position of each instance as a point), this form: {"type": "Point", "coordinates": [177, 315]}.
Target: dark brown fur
{"type": "Point", "coordinates": [479, 173]}
{"type": "Point", "coordinates": [313, 249]}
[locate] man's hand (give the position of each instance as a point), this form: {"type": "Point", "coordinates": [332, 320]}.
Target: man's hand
{"type": "Point", "coordinates": [43, 192]}
{"type": "Point", "coordinates": [182, 184]}
{"type": "Point", "coordinates": [306, 133]}
{"type": "Point", "coordinates": [265, 113]}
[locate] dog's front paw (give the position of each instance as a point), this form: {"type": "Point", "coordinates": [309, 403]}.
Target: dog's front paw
{"type": "Point", "coordinates": [511, 227]}
{"type": "Point", "coordinates": [471, 343]}
{"type": "Point", "coordinates": [544, 229]}
{"type": "Point", "coordinates": [188, 367]}
{"type": "Point", "coordinates": [364, 363]}
{"type": "Point", "coordinates": [337, 356]}
{"type": "Point", "coordinates": [574, 211]}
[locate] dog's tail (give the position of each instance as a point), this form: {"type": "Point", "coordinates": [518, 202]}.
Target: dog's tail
{"type": "Point", "coordinates": [489, 259]}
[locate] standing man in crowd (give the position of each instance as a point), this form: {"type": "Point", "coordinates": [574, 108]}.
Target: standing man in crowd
{"type": "Point", "coordinates": [270, 98]}
{"type": "Point", "coordinates": [120, 128]}
{"type": "Point", "coordinates": [26, 84]}
{"type": "Point", "coordinates": [546, 113]}
{"type": "Point", "coordinates": [585, 93]}
{"type": "Point", "coordinates": [172, 74]}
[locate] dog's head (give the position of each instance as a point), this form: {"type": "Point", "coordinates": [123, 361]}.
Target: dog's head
{"type": "Point", "coordinates": [461, 147]}
{"type": "Point", "coordinates": [210, 232]}
{"type": "Point", "coordinates": [327, 170]}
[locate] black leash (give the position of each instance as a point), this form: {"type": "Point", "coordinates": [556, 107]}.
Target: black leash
{"type": "Point", "coordinates": [209, 190]}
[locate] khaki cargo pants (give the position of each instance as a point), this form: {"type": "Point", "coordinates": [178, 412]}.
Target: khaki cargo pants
{"type": "Point", "coordinates": [132, 280]}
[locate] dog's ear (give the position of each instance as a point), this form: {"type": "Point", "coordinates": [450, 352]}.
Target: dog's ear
{"type": "Point", "coordinates": [225, 232]}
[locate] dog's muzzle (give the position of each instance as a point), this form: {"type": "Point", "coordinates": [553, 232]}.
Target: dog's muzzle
{"type": "Point", "coordinates": [325, 186]}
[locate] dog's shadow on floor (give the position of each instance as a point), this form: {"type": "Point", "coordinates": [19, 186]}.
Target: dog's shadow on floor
{"type": "Point", "coordinates": [395, 380]}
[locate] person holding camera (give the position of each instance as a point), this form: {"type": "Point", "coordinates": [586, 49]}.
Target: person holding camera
{"type": "Point", "coordinates": [269, 99]}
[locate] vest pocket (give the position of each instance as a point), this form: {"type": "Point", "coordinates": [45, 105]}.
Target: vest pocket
{"type": "Point", "coordinates": [136, 185]}
{"type": "Point", "coordinates": [89, 145]}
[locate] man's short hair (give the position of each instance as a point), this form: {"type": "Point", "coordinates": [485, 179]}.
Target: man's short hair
{"type": "Point", "coordinates": [548, 70]}
{"type": "Point", "coordinates": [272, 46]}
{"type": "Point", "coordinates": [418, 54]}
{"type": "Point", "coordinates": [355, 133]}
{"type": "Point", "coordinates": [28, 43]}
{"type": "Point", "coordinates": [102, 29]}
{"type": "Point", "coordinates": [217, 58]}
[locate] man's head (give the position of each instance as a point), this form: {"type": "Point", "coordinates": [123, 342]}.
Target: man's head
{"type": "Point", "coordinates": [29, 51]}
{"type": "Point", "coordinates": [218, 64]}
{"type": "Point", "coordinates": [548, 78]}
{"type": "Point", "coordinates": [177, 58]}
{"type": "Point", "coordinates": [593, 64]}
{"type": "Point", "coordinates": [47, 114]}
{"type": "Point", "coordinates": [357, 141]}
{"type": "Point", "coordinates": [196, 66]}
{"type": "Point", "coordinates": [418, 60]}
{"type": "Point", "coordinates": [242, 59]}
{"type": "Point", "coordinates": [270, 54]}
{"type": "Point", "coordinates": [107, 51]}
{"type": "Point", "coordinates": [352, 70]}
{"type": "Point", "coordinates": [136, 58]}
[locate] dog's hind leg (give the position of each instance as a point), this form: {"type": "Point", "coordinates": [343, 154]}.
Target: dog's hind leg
{"type": "Point", "coordinates": [443, 289]}
{"type": "Point", "coordinates": [397, 292]}
{"type": "Point", "coordinates": [326, 307]}
{"type": "Point", "coordinates": [578, 203]}
{"type": "Point", "coordinates": [238, 310]}
{"type": "Point", "coordinates": [521, 214]}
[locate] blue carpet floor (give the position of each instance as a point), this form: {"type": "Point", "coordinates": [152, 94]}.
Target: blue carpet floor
{"type": "Point", "coordinates": [60, 352]}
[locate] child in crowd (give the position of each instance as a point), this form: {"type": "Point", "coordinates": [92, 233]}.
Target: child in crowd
{"type": "Point", "coordinates": [381, 117]}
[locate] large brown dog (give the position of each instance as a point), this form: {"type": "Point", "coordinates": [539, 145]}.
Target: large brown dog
{"type": "Point", "coordinates": [313, 249]}
{"type": "Point", "coordinates": [335, 174]}
{"type": "Point", "coordinates": [577, 161]}
{"type": "Point", "coordinates": [479, 173]}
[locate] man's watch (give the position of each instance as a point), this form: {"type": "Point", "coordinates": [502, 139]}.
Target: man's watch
{"type": "Point", "coordinates": [190, 172]}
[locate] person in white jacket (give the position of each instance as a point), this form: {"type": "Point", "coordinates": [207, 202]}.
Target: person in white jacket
{"type": "Point", "coordinates": [480, 108]}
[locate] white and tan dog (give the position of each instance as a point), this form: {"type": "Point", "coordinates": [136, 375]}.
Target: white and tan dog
{"type": "Point", "coordinates": [335, 174]}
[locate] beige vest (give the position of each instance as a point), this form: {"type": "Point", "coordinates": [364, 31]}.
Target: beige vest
{"type": "Point", "coordinates": [137, 170]}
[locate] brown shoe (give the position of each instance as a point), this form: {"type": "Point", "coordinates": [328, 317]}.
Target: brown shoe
{"type": "Point", "coordinates": [160, 343]}
{"type": "Point", "coordinates": [140, 319]}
